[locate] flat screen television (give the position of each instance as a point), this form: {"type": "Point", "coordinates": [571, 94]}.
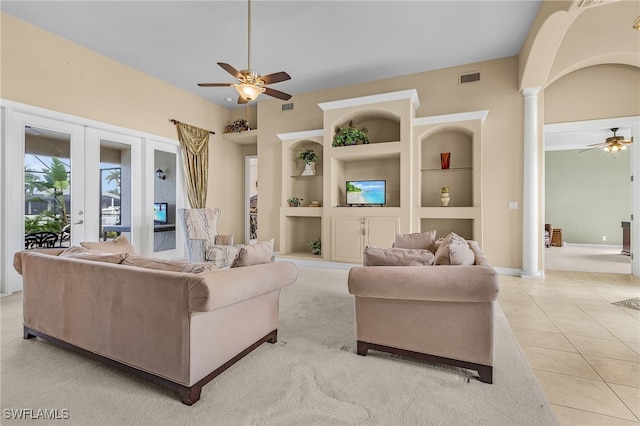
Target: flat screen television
{"type": "Point", "coordinates": [160, 213]}
{"type": "Point", "coordinates": [366, 192]}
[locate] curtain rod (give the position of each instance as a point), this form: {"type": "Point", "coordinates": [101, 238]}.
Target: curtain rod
{"type": "Point", "coordinates": [176, 122]}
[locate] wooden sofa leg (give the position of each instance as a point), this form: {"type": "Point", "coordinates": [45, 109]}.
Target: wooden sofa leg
{"type": "Point", "coordinates": [272, 337]}
{"type": "Point", "coordinates": [363, 348]}
{"type": "Point", "coordinates": [486, 374]}
{"type": "Point", "coordinates": [190, 395]}
{"type": "Point", "coordinates": [26, 334]}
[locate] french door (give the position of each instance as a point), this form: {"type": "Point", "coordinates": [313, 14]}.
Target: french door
{"type": "Point", "coordinates": [64, 179]}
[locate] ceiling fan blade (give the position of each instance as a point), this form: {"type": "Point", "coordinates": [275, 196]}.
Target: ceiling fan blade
{"type": "Point", "coordinates": [276, 77]}
{"type": "Point", "coordinates": [215, 84]}
{"type": "Point", "coordinates": [596, 144]}
{"type": "Point", "coordinates": [277, 94]}
{"type": "Point", "coordinates": [588, 149]}
{"type": "Point", "coordinates": [231, 70]}
{"type": "Point", "coordinates": [242, 100]}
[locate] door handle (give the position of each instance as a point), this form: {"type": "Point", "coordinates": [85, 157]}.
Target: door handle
{"type": "Point", "coordinates": [80, 222]}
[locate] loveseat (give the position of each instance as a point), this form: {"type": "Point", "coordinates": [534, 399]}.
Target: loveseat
{"type": "Point", "coordinates": [178, 329]}
{"type": "Point", "coordinates": [433, 307]}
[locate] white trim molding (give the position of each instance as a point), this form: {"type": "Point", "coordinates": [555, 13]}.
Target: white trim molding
{"type": "Point", "coordinates": [451, 118]}
{"type": "Point", "coordinates": [301, 135]}
{"type": "Point", "coordinates": [373, 99]}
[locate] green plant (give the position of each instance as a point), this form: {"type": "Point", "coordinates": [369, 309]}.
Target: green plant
{"type": "Point", "coordinates": [46, 221]}
{"type": "Point", "coordinates": [315, 245]}
{"type": "Point", "coordinates": [350, 135]}
{"type": "Point", "coordinates": [56, 180]}
{"type": "Point", "coordinates": [294, 201]}
{"type": "Point", "coordinates": [237, 126]}
{"type": "Point", "coordinates": [308, 156]}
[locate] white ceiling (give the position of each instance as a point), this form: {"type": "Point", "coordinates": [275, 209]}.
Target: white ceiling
{"type": "Point", "coordinates": [321, 44]}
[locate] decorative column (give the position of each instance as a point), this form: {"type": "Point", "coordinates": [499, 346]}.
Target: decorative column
{"type": "Point", "coordinates": [530, 190]}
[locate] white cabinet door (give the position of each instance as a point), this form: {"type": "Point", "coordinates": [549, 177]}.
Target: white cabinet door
{"type": "Point", "coordinates": [381, 231]}
{"type": "Point", "coordinates": [350, 235]}
{"type": "Point", "coordinates": [347, 239]}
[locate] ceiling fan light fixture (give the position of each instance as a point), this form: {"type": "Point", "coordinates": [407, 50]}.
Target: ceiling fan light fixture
{"type": "Point", "coordinates": [249, 91]}
{"type": "Point", "coordinates": [636, 24]}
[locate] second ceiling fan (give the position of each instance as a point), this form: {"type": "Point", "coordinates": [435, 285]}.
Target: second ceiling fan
{"type": "Point", "coordinates": [251, 84]}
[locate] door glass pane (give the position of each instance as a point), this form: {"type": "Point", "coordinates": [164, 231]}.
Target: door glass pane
{"type": "Point", "coordinates": [47, 168]}
{"type": "Point", "coordinates": [164, 206]}
{"type": "Point", "coordinates": [115, 182]}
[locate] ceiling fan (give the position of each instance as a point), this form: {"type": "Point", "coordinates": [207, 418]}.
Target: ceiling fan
{"type": "Point", "coordinates": [251, 84]}
{"type": "Point", "coordinates": [613, 143]}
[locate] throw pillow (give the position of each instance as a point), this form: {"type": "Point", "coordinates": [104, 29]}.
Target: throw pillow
{"type": "Point", "coordinates": [167, 265]}
{"type": "Point", "coordinates": [77, 252]}
{"type": "Point", "coordinates": [221, 256]}
{"type": "Point", "coordinates": [454, 250]}
{"type": "Point", "coordinates": [375, 256]}
{"type": "Point", "coordinates": [418, 240]}
{"type": "Point", "coordinates": [254, 254]}
{"type": "Point", "coordinates": [119, 245]}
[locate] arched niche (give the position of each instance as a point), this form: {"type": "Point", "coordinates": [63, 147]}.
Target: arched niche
{"type": "Point", "coordinates": [382, 126]}
{"type": "Point", "coordinates": [458, 177]}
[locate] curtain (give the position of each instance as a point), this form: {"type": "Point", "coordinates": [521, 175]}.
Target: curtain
{"type": "Point", "coordinates": [195, 158]}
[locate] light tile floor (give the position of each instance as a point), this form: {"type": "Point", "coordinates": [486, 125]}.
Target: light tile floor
{"type": "Point", "coordinates": [584, 350]}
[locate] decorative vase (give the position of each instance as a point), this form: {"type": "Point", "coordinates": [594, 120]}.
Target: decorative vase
{"type": "Point", "coordinates": [309, 169]}
{"type": "Point", "coordinates": [445, 159]}
{"type": "Point", "coordinates": [445, 197]}
{"type": "Point", "coordinates": [316, 251]}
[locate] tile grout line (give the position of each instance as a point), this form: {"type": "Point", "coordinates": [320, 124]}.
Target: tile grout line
{"type": "Point", "coordinates": [579, 352]}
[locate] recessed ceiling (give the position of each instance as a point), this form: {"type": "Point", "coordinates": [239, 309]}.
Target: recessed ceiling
{"type": "Point", "coordinates": [321, 44]}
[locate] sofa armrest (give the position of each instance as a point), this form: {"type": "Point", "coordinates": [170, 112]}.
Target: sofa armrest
{"type": "Point", "coordinates": [217, 289]}
{"type": "Point", "coordinates": [17, 257]}
{"type": "Point", "coordinates": [473, 283]}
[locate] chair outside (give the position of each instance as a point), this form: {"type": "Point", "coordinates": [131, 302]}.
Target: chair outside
{"type": "Point", "coordinates": [40, 240]}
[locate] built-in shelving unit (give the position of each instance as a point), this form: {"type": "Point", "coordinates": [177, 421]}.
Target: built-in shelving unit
{"type": "Point", "coordinates": [299, 225]}
{"type": "Point", "coordinates": [460, 135]}
{"type": "Point", "coordinates": [405, 152]}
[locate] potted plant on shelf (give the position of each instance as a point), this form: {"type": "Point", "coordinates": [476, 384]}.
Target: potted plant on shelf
{"type": "Point", "coordinates": [316, 246]}
{"type": "Point", "coordinates": [309, 157]}
{"type": "Point", "coordinates": [350, 135]}
{"type": "Point", "coordinates": [239, 125]}
{"type": "Point", "coordinates": [294, 201]}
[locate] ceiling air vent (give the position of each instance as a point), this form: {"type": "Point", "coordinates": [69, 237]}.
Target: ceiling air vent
{"type": "Point", "coordinates": [287, 107]}
{"type": "Point", "coordinates": [469, 78]}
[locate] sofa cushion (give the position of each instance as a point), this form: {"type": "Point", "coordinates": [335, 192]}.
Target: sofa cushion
{"type": "Point", "coordinates": [119, 245]}
{"type": "Point", "coordinates": [375, 256]}
{"type": "Point", "coordinates": [167, 265]}
{"type": "Point", "coordinates": [418, 240]}
{"type": "Point", "coordinates": [454, 250]}
{"type": "Point", "coordinates": [77, 252]}
{"type": "Point", "coordinates": [221, 255]}
{"type": "Point", "coordinates": [254, 254]}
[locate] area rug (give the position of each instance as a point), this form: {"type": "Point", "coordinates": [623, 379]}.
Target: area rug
{"type": "Point", "coordinates": [311, 376]}
{"type": "Point", "coordinates": [629, 303]}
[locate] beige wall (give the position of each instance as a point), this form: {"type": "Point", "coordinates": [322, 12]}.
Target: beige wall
{"type": "Point", "coordinates": [41, 69]}
{"type": "Point", "coordinates": [601, 91]}
{"type": "Point", "coordinates": [439, 93]}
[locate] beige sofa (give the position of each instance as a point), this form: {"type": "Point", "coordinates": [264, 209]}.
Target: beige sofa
{"type": "Point", "coordinates": [437, 313]}
{"type": "Point", "coordinates": [177, 329]}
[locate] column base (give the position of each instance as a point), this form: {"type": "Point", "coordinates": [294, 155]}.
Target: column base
{"type": "Point", "coordinates": [534, 275]}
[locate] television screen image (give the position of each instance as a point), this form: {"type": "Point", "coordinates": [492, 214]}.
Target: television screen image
{"type": "Point", "coordinates": [366, 192]}
{"type": "Point", "coordinates": [160, 213]}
